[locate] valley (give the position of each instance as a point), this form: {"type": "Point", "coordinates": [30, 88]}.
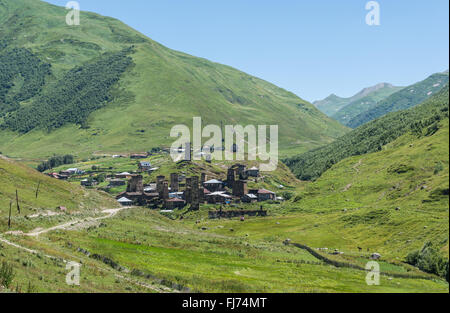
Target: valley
{"type": "Point", "coordinates": [87, 177]}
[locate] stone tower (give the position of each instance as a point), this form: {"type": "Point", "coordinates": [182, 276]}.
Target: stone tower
{"type": "Point", "coordinates": [160, 185]}
{"type": "Point", "coordinates": [195, 201]}
{"type": "Point", "coordinates": [165, 191]}
{"type": "Point", "coordinates": [231, 177]}
{"type": "Point", "coordinates": [174, 182]}
{"type": "Point", "coordinates": [135, 184]}
{"type": "Point", "coordinates": [240, 188]}
{"type": "Point", "coordinates": [188, 191]}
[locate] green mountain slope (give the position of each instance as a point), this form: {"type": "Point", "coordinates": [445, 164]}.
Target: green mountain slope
{"type": "Point", "coordinates": [333, 104]}
{"type": "Point", "coordinates": [395, 200]}
{"type": "Point", "coordinates": [403, 99]}
{"type": "Point", "coordinates": [355, 108]}
{"type": "Point", "coordinates": [372, 136]}
{"type": "Point", "coordinates": [109, 88]}
{"type": "Point", "coordinates": [52, 193]}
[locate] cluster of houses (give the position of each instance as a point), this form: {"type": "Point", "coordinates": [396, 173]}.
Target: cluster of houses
{"type": "Point", "coordinates": [66, 173]}
{"type": "Point", "coordinates": [181, 191]}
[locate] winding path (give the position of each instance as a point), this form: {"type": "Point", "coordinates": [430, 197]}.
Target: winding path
{"type": "Point", "coordinates": [83, 223]}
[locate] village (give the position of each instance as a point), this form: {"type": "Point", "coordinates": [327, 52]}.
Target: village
{"type": "Point", "coordinates": [228, 194]}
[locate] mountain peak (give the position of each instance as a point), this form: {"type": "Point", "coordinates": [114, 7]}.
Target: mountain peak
{"type": "Point", "coordinates": [369, 90]}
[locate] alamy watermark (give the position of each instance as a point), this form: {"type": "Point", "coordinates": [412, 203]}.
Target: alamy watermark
{"type": "Point", "coordinates": [373, 275]}
{"type": "Point", "coordinates": [261, 145]}
{"type": "Point", "coordinates": [373, 17]}
{"type": "Point", "coordinates": [73, 17]}
{"type": "Point", "coordinates": [73, 277]}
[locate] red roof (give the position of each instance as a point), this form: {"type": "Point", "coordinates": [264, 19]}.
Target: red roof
{"type": "Point", "coordinates": [206, 191]}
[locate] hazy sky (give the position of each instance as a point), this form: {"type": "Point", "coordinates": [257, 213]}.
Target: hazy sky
{"type": "Point", "coordinates": [312, 48]}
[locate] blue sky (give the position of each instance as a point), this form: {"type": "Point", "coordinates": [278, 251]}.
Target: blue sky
{"type": "Point", "coordinates": [312, 48]}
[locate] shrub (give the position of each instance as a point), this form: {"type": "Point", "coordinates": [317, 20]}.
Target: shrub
{"type": "Point", "coordinates": [55, 161]}
{"type": "Point", "coordinates": [6, 274]}
{"type": "Point", "coordinates": [287, 195]}
{"type": "Point", "coordinates": [429, 260]}
{"type": "Point", "coordinates": [438, 168]}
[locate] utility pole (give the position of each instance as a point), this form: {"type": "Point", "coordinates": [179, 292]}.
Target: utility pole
{"type": "Point", "coordinates": [17, 201]}
{"type": "Point", "coordinates": [9, 218]}
{"type": "Point", "coordinates": [37, 189]}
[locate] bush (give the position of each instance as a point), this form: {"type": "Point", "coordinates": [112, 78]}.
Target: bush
{"type": "Point", "coordinates": [101, 178]}
{"type": "Point", "coordinates": [287, 195]}
{"type": "Point", "coordinates": [55, 162]}
{"type": "Point", "coordinates": [429, 260]}
{"type": "Point", "coordinates": [6, 274]}
{"type": "Point", "coordinates": [438, 168]}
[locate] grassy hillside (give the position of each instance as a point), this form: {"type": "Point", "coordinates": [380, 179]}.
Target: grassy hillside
{"type": "Point", "coordinates": [333, 104]}
{"type": "Point", "coordinates": [52, 193]}
{"type": "Point", "coordinates": [355, 108]}
{"type": "Point", "coordinates": [391, 202]}
{"type": "Point", "coordinates": [137, 104]}
{"type": "Point", "coordinates": [395, 199]}
{"type": "Point", "coordinates": [146, 248]}
{"type": "Point", "coordinates": [403, 99]}
{"type": "Point", "coordinates": [421, 120]}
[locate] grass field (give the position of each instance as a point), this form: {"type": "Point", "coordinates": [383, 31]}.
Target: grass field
{"type": "Point", "coordinates": [159, 250]}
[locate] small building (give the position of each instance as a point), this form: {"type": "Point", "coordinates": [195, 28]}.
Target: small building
{"type": "Point", "coordinates": [253, 172]}
{"type": "Point", "coordinates": [213, 185]}
{"type": "Point", "coordinates": [265, 195]}
{"type": "Point", "coordinates": [71, 171]}
{"type": "Point", "coordinates": [125, 201]}
{"type": "Point", "coordinates": [375, 256]}
{"type": "Point", "coordinates": [125, 175]}
{"type": "Point", "coordinates": [57, 176]}
{"type": "Point", "coordinates": [117, 182]}
{"type": "Point", "coordinates": [249, 198]}
{"type": "Point", "coordinates": [150, 188]}
{"type": "Point", "coordinates": [174, 203]}
{"type": "Point", "coordinates": [88, 182]}
{"type": "Point", "coordinates": [74, 171]}
{"type": "Point", "coordinates": [145, 166]}
{"type": "Point", "coordinates": [218, 197]}
{"type": "Point", "coordinates": [138, 155]}
{"type": "Point", "coordinates": [177, 195]}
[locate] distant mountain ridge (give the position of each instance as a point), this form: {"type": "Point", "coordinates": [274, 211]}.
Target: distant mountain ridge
{"type": "Point", "coordinates": [403, 99]}
{"type": "Point", "coordinates": [333, 103]}
{"type": "Point", "coordinates": [371, 137]}
{"type": "Point", "coordinates": [365, 103]}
